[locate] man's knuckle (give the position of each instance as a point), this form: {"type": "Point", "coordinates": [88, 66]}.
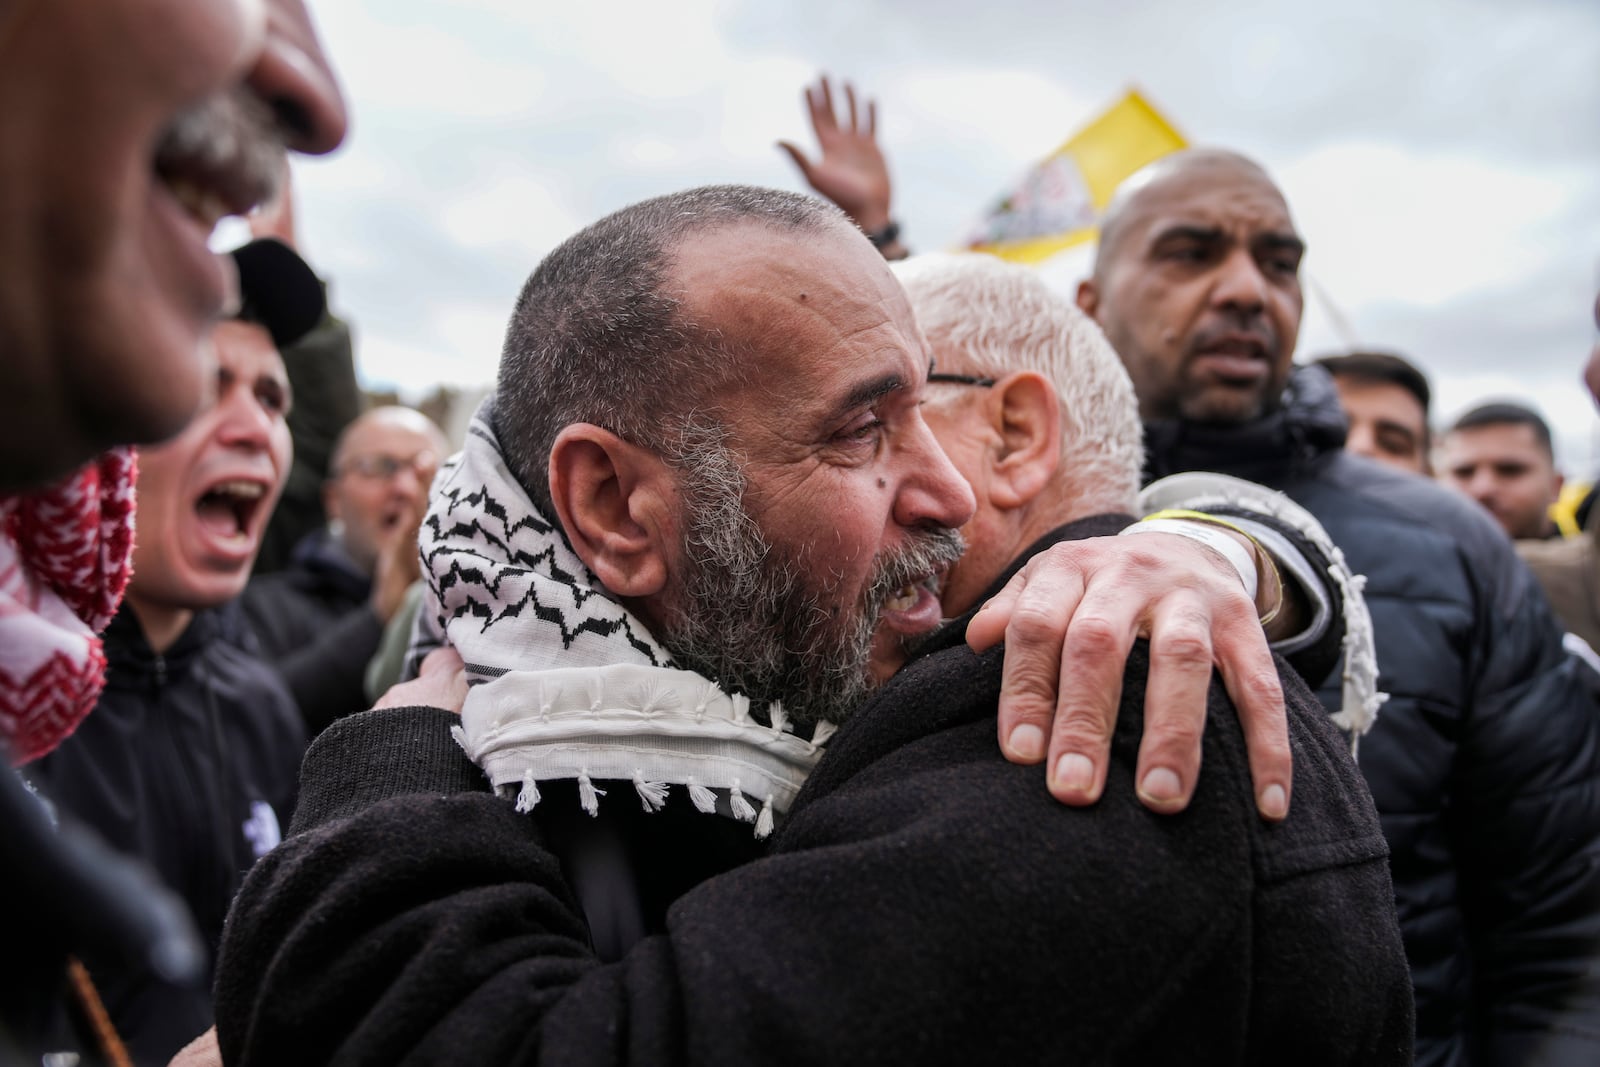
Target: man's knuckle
{"type": "Point", "coordinates": [1180, 733]}
{"type": "Point", "coordinates": [1093, 636]}
{"type": "Point", "coordinates": [1188, 646]}
{"type": "Point", "coordinates": [1079, 730]}
{"type": "Point", "coordinates": [1032, 622]}
{"type": "Point", "coordinates": [1262, 686]}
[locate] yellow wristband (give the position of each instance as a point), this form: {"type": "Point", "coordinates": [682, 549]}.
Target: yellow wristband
{"type": "Point", "coordinates": [1265, 564]}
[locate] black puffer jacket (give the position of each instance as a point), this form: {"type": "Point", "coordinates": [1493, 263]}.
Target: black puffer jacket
{"type": "Point", "coordinates": [190, 762]}
{"type": "Point", "coordinates": [1485, 762]}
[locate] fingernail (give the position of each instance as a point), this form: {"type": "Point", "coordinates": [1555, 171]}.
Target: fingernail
{"type": "Point", "coordinates": [1161, 786]}
{"type": "Point", "coordinates": [1074, 772]}
{"type": "Point", "coordinates": [1027, 742]}
{"type": "Point", "coordinates": [1274, 802]}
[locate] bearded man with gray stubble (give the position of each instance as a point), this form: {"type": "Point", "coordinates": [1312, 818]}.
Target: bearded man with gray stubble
{"type": "Point", "coordinates": [840, 477]}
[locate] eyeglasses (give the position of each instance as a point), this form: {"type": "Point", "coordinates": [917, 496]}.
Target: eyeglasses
{"type": "Point", "coordinates": [384, 467]}
{"type": "Point", "coordinates": [959, 379]}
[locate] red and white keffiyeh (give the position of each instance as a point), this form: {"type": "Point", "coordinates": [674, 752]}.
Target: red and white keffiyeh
{"type": "Point", "coordinates": [65, 558]}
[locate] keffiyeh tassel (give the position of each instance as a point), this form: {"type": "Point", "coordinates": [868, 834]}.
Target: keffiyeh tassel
{"type": "Point", "coordinates": [529, 796]}
{"type": "Point", "coordinates": [588, 795]}
{"type": "Point", "coordinates": [652, 795]}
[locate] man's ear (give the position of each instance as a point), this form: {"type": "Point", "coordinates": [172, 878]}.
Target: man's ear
{"type": "Point", "coordinates": [1088, 298]}
{"type": "Point", "coordinates": [616, 502]}
{"type": "Point", "coordinates": [1026, 413]}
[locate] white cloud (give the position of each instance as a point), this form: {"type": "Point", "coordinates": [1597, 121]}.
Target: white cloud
{"type": "Point", "coordinates": [1388, 223]}
{"type": "Point", "coordinates": [524, 212]}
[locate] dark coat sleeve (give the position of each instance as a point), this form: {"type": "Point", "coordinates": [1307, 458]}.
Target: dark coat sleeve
{"type": "Point", "coordinates": [321, 656]}
{"type": "Point", "coordinates": [328, 675]}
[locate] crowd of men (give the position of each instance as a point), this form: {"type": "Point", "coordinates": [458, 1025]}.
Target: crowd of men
{"type": "Point", "coordinates": [811, 680]}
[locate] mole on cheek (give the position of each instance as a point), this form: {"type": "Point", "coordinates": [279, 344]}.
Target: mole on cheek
{"type": "Point", "coordinates": [882, 484]}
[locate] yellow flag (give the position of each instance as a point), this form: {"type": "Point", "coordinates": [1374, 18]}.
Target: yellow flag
{"type": "Point", "coordinates": [1058, 203]}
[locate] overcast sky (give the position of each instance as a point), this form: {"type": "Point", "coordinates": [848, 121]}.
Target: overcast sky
{"type": "Point", "coordinates": [1441, 157]}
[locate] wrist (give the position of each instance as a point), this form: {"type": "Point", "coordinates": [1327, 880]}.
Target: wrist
{"type": "Point", "coordinates": [870, 217]}
{"type": "Point", "coordinates": [883, 235]}
{"type": "Point", "coordinates": [1257, 570]}
{"type": "Point", "coordinates": [1218, 540]}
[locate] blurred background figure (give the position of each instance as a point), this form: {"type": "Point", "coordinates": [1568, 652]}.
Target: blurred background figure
{"type": "Point", "coordinates": [1386, 399]}
{"type": "Point", "coordinates": [320, 620]}
{"type": "Point", "coordinates": [1500, 455]}
{"type": "Point", "coordinates": [191, 757]}
{"type": "Point", "coordinates": [1569, 568]}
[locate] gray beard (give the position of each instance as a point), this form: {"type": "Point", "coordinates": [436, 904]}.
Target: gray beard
{"type": "Point", "coordinates": [744, 614]}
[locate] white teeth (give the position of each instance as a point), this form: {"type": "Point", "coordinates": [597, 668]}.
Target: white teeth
{"type": "Point", "coordinates": [245, 490]}
{"type": "Point", "coordinates": [205, 208]}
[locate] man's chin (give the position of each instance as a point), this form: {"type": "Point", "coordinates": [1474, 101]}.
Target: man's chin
{"type": "Point", "coordinates": [1225, 406]}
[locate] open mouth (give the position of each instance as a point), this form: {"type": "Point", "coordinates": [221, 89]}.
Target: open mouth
{"type": "Point", "coordinates": [907, 596]}
{"type": "Point", "coordinates": [228, 509]}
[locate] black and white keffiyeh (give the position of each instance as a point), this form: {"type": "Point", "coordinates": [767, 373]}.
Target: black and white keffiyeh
{"type": "Point", "coordinates": [566, 683]}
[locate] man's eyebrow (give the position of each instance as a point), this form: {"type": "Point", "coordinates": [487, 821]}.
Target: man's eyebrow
{"type": "Point", "coordinates": [1286, 242]}
{"type": "Point", "coordinates": [1397, 427]}
{"type": "Point", "coordinates": [869, 392]}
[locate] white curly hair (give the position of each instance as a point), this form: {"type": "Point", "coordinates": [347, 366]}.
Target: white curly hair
{"type": "Point", "coordinates": [989, 318]}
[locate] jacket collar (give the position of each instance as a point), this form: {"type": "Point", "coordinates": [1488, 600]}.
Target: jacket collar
{"type": "Point", "coordinates": [131, 659]}
{"type": "Point", "coordinates": [1271, 450]}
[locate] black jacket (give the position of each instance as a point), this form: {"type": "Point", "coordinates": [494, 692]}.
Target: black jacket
{"type": "Point", "coordinates": [926, 902]}
{"type": "Point", "coordinates": [313, 623]}
{"type": "Point", "coordinates": [1485, 762]}
{"type": "Point", "coordinates": [188, 762]}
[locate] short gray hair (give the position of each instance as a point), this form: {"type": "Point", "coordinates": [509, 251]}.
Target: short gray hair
{"type": "Point", "coordinates": [598, 334]}
{"type": "Point", "coordinates": [1004, 318]}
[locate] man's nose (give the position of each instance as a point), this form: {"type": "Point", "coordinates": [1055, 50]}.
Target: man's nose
{"type": "Point", "coordinates": [409, 481]}
{"type": "Point", "coordinates": [1482, 484]}
{"type": "Point", "coordinates": [1360, 441]}
{"type": "Point", "coordinates": [934, 492]}
{"type": "Point", "coordinates": [1240, 283]}
{"type": "Point", "coordinates": [244, 422]}
{"type": "Point", "coordinates": [294, 78]}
